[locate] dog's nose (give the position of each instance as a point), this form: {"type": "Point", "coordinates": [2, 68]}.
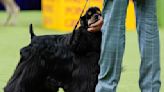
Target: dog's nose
{"type": "Point", "coordinates": [96, 16]}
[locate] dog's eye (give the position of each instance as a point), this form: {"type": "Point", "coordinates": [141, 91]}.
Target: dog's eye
{"type": "Point", "coordinates": [98, 12]}
{"type": "Point", "coordinates": [89, 13]}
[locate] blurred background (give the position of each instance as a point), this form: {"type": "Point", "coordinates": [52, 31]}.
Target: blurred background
{"type": "Point", "coordinates": [59, 17]}
{"type": "Point", "coordinates": [27, 4]}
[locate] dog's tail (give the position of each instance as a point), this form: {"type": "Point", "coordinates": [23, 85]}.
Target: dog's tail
{"type": "Point", "coordinates": [31, 31]}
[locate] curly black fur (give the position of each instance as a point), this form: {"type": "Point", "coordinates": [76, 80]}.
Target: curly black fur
{"type": "Point", "coordinates": [54, 61]}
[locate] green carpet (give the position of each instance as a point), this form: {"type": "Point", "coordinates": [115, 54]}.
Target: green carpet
{"type": "Point", "coordinates": [14, 38]}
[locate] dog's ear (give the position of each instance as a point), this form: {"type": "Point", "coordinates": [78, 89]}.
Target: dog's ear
{"type": "Point", "coordinates": [83, 21]}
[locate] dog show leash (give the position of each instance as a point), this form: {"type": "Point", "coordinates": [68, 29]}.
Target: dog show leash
{"type": "Point", "coordinates": [78, 21]}
{"type": "Point", "coordinates": [80, 15]}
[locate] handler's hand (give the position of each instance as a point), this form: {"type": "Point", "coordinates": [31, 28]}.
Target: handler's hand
{"type": "Point", "coordinates": [96, 26]}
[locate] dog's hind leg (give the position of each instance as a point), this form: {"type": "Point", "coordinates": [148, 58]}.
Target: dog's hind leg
{"type": "Point", "coordinates": [17, 76]}
{"type": "Point", "coordinates": [29, 74]}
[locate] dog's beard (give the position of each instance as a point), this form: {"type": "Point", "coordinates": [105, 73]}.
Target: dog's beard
{"type": "Point", "coordinates": [93, 19]}
{"type": "Point", "coordinates": [87, 22]}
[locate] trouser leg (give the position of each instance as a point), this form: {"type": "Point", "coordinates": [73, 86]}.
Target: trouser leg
{"type": "Point", "coordinates": [148, 35]}
{"type": "Point", "coordinates": [113, 43]}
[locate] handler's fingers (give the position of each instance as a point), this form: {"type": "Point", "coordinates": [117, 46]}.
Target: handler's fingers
{"type": "Point", "coordinates": [99, 22]}
{"type": "Point", "coordinates": [96, 26]}
{"type": "Point", "coordinates": [94, 29]}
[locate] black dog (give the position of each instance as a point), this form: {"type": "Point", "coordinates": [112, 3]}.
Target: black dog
{"type": "Point", "coordinates": [69, 61]}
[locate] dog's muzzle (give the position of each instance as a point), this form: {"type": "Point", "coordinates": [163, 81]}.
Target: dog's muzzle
{"type": "Point", "coordinates": [94, 19]}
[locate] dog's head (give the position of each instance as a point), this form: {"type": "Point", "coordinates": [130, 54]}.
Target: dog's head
{"type": "Point", "coordinates": [91, 16]}
{"type": "Point", "coordinates": [83, 41]}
